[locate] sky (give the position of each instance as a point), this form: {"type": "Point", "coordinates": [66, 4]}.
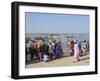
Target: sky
{"type": "Point", "coordinates": [56, 23]}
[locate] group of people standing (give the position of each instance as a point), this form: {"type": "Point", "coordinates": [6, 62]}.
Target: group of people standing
{"type": "Point", "coordinates": [39, 50]}
{"type": "Point", "coordinates": [78, 49]}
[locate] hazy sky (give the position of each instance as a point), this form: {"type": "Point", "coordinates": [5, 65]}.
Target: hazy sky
{"type": "Point", "coordinates": [56, 23]}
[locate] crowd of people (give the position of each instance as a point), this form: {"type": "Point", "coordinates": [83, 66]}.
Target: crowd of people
{"type": "Point", "coordinates": [78, 49]}
{"type": "Point", "coordinates": [39, 49]}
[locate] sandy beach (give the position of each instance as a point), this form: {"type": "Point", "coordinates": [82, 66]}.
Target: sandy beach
{"type": "Point", "coordinates": [64, 61]}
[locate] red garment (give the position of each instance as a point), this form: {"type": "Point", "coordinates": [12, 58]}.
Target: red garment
{"type": "Point", "coordinates": [72, 46]}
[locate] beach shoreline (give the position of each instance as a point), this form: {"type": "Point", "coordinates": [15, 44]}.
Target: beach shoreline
{"type": "Point", "coordinates": [61, 62]}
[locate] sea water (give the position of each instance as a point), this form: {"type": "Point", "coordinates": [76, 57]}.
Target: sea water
{"type": "Point", "coordinates": [63, 37]}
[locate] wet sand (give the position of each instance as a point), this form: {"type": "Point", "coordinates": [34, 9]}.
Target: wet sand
{"type": "Point", "coordinates": [64, 61]}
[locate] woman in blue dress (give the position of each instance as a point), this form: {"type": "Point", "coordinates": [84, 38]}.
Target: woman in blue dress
{"type": "Point", "coordinates": [57, 51]}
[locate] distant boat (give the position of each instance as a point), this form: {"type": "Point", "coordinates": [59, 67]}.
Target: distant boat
{"type": "Point", "coordinates": [69, 36]}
